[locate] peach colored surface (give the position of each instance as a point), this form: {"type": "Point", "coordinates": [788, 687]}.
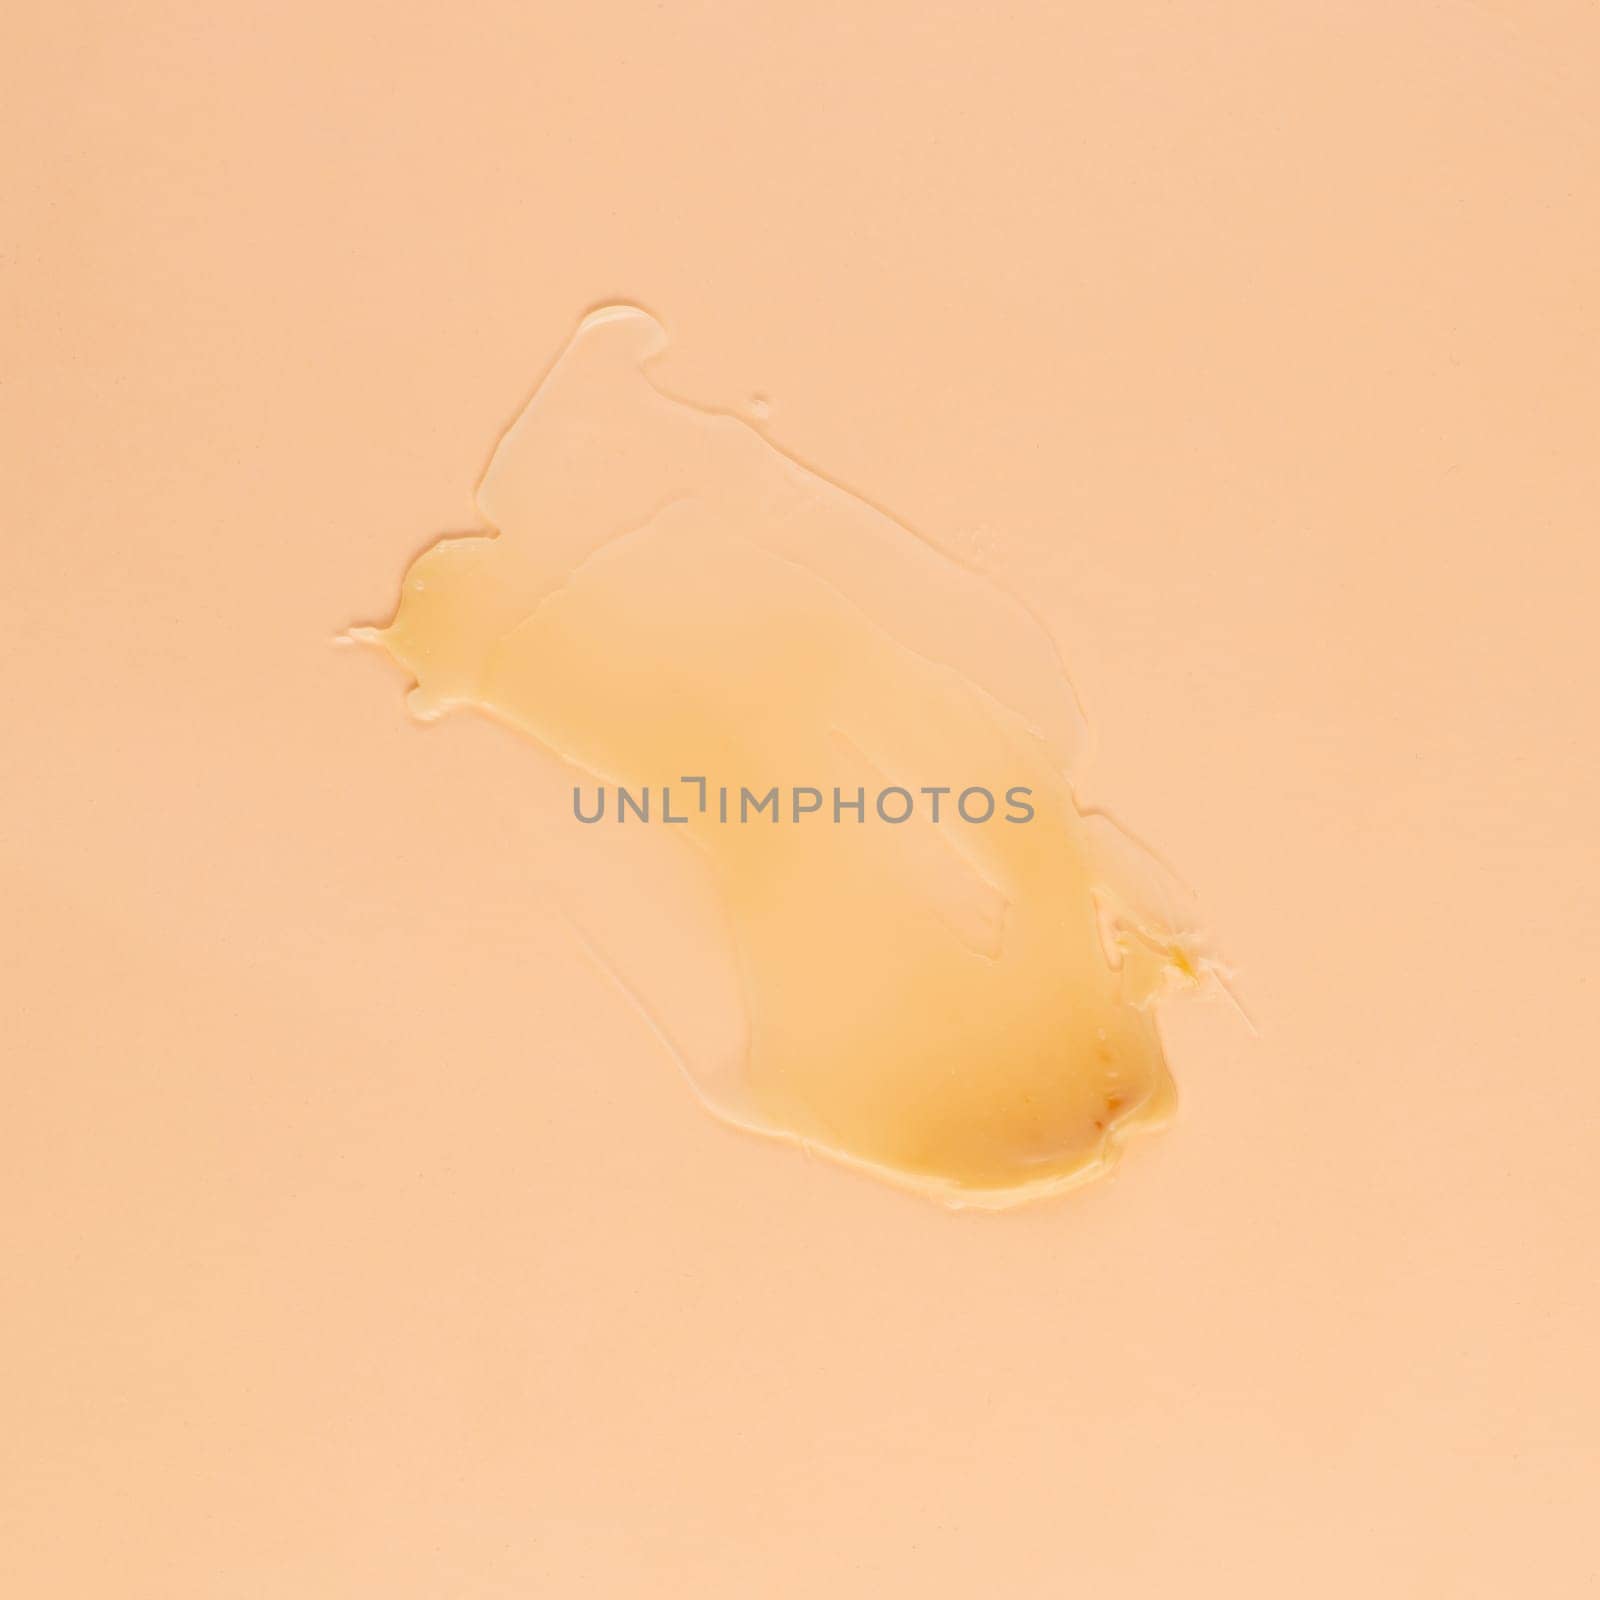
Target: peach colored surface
{"type": "Point", "coordinates": [359, 1240]}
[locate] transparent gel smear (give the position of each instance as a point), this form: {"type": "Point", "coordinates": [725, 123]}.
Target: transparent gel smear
{"type": "Point", "coordinates": [962, 1007]}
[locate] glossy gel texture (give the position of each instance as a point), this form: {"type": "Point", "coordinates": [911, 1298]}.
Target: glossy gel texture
{"type": "Point", "coordinates": [962, 1006]}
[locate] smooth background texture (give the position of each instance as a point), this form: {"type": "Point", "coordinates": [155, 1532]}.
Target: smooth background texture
{"type": "Point", "coordinates": [359, 1240]}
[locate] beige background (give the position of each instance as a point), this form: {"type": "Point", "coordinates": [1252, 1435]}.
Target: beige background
{"type": "Point", "coordinates": [358, 1240]}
